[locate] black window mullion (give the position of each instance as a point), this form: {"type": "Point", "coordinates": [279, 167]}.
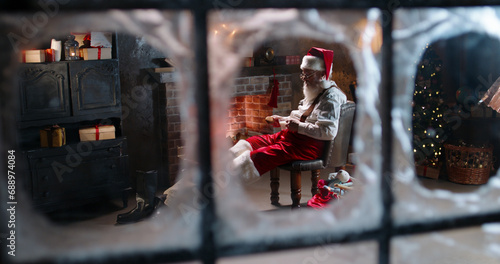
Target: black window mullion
{"type": "Point", "coordinates": [207, 251]}
{"type": "Point", "coordinates": [387, 90]}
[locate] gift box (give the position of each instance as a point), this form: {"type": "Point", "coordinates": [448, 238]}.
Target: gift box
{"type": "Point", "coordinates": [95, 53]}
{"type": "Point", "coordinates": [292, 60]}
{"type": "Point", "coordinates": [428, 172]}
{"type": "Point", "coordinates": [34, 56]}
{"type": "Point", "coordinates": [97, 133]}
{"type": "Point", "coordinates": [101, 39]}
{"type": "Point", "coordinates": [54, 136]}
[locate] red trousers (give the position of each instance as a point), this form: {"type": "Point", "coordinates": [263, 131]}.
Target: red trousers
{"type": "Point", "coordinates": [270, 151]}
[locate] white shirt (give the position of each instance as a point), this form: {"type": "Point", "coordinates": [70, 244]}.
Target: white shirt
{"type": "Point", "coordinates": [322, 123]}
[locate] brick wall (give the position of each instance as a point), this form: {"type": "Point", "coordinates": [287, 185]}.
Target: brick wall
{"type": "Point", "coordinates": [170, 123]}
{"type": "Point", "coordinates": [249, 104]}
{"type": "Point", "coordinates": [246, 114]}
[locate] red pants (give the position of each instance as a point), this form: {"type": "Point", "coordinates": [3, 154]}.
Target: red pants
{"type": "Point", "coordinates": [270, 151]}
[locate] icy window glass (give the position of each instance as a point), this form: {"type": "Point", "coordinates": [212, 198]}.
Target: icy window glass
{"type": "Point", "coordinates": [146, 39]}
{"type": "Point", "coordinates": [471, 245]}
{"type": "Point", "coordinates": [444, 118]}
{"type": "Point", "coordinates": [362, 253]}
{"type": "Point", "coordinates": [234, 36]}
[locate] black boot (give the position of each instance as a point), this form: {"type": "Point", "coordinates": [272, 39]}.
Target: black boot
{"type": "Point", "coordinates": [145, 197]}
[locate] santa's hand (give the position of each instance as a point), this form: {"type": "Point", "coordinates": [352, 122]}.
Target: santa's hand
{"type": "Point", "coordinates": [274, 120]}
{"type": "Point", "coordinates": [293, 125]}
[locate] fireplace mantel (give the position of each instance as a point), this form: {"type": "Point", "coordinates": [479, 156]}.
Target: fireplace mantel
{"type": "Point", "coordinates": [268, 70]}
{"type": "Point", "coordinates": [166, 77]}
{"type": "Point", "coordinates": [162, 76]}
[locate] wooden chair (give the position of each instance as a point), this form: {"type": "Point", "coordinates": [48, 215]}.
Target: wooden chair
{"type": "Point", "coordinates": [335, 155]}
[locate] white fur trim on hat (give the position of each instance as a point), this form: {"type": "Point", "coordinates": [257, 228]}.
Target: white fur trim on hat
{"type": "Point", "coordinates": [312, 63]}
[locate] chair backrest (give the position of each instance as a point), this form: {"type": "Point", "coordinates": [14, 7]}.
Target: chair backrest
{"type": "Point", "coordinates": [335, 154]}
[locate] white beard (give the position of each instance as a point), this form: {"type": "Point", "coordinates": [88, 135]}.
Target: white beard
{"type": "Point", "coordinates": [311, 91]}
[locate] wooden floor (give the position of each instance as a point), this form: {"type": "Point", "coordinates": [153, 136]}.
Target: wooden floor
{"type": "Point", "coordinates": [104, 214]}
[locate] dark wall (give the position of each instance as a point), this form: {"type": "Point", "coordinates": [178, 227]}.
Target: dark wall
{"type": "Point", "coordinates": [140, 105]}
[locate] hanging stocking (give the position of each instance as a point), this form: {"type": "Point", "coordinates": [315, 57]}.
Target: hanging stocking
{"type": "Point", "coordinates": [273, 102]}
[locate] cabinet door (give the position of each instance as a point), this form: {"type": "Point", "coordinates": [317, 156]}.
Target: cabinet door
{"type": "Point", "coordinates": [44, 91]}
{"type": "Point", "coordinates": [95, 87]}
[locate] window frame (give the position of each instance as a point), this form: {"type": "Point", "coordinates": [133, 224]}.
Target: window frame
{"type": "Point", "coordinates": [208, 251]}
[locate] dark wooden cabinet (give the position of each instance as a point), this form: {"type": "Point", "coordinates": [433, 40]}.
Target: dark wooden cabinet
{"type": "Point", "coordinates": [72, 94]}
{"type": "Point", "coordinates": [69, 91]}
{"type": "Point", "coordinates": [78, 173]}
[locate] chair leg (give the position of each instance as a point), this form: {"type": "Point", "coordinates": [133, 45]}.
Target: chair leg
{"type": "Point", "coordinates": [314, 181]}
{"type": "Point", "coordinates": [275, 185]}
{"type": "Point", "coordinates": [296, 185]}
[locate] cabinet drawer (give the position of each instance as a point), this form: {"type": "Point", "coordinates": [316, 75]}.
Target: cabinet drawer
{"type": "Point", "coordinates": [91, 178]}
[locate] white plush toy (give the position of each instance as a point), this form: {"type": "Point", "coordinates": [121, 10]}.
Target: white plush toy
{"type": "Point", "coordinates": [341, 177]}
{"type": "Point", "coordinates": [339, 182]}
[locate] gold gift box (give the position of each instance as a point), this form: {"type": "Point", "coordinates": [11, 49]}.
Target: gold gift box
{"type": "Point", "coordinates": [54, 136]}
{"type": "Point", "coordinates": [97, 133]}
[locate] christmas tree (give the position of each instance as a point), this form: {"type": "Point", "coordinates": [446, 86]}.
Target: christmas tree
{"type": "Point", "coordinates": [429, 127]}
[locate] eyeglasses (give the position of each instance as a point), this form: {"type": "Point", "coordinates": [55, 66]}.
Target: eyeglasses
{"type": "Point", "coordinates": [306, 76]}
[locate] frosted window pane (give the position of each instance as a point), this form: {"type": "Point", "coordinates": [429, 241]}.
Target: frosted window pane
{"type": "Point", "coordinates": [471, 245]}
{"type": "Point", "coordinates": [359, 253]}
{"type": "Point", "coordinates": [235, 34]}
{"type": "Point", "coordinates": [415, 31]}
{"type": "Point", "coordinates": [176, 228]}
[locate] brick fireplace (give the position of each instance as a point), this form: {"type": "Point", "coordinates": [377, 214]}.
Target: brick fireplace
{"type": "Point", "coordinates": [246, 114]}
{"type": "Point", "coordinates": [249, 105]}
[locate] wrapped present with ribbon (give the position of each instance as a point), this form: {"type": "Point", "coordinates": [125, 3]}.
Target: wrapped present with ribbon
{"type": "Point", "coordinates": [95, 53]}
{"type": "Point", "coordinates": [101, 39]}
{"type": "Point", "coordinates": [54, 136]}
{"type": "Point", "coordinates": [97, 132]}
{"type": "Point", "coordinates": [428, 172]}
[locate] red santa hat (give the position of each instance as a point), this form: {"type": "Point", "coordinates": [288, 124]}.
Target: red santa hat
{"type": "Point", "coordinates": [318, 59]}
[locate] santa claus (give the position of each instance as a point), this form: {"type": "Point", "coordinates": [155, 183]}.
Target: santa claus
{"type": "Point", "coordinates": [305, 130]}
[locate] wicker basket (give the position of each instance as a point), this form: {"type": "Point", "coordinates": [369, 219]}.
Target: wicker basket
{"type": "Point", "coordinates": [468, 165]}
